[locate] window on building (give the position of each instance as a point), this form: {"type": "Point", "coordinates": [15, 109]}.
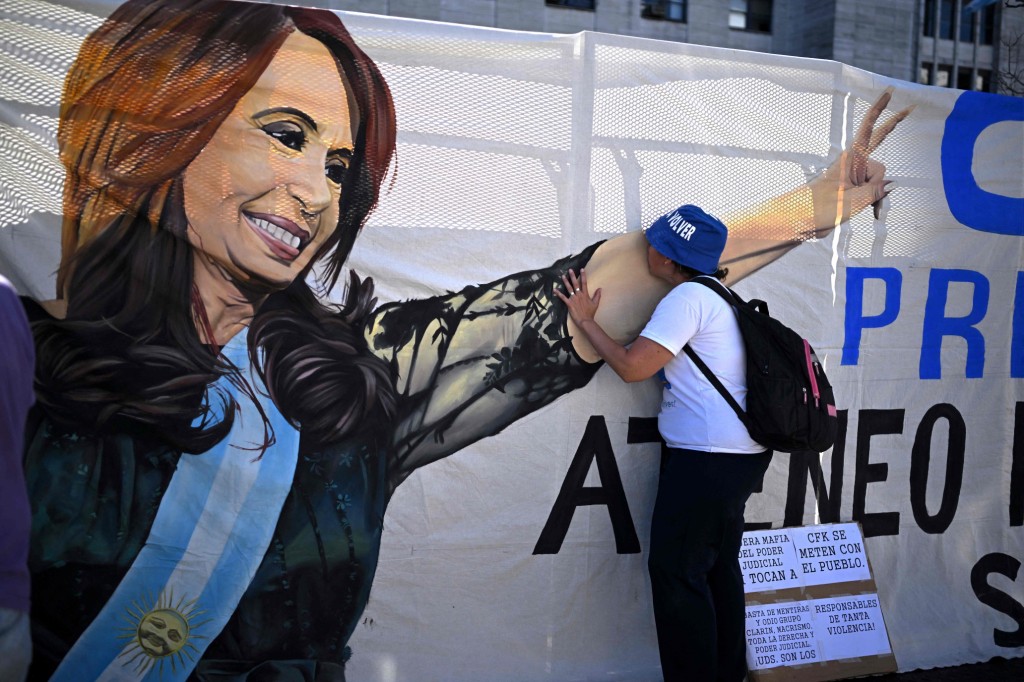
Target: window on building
{"type": "Point", "coordinates": [946, 19]}
{"type": "Point", "coordinates": [985, 17]}
{"type": "Point", "coordinates": [979, 80]}
{"type": "Point", "coordinates": [983, 81]}
{"type": "Point", "coordinates": [943, 9]}
{"type": "Point", "coordinates": [963, 78]}
{"type": "Point", "coordinates": [670, 10]}
{"type": "Point", "coordinates": [988, 25]}
{"type": "Point", "coordinates": [967, 19]}
{"type": "Point", "coordinates": [924, 74]}
{"type": "Point", "coordinates": [751, 15]}
{"type": "Point", "coordinates": [574, 4]}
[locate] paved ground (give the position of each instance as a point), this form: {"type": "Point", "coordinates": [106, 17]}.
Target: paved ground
{"type": "Point", "coordinates": [996, 670]}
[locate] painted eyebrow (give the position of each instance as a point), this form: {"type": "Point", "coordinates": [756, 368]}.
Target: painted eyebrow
{"type": "Point", "coordinates": [288, 110]}
{"type": "Point", "coordinates": [341, 151]}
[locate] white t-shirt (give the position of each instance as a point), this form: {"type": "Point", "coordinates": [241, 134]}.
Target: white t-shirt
{"type": "Point", "coordinates": [694, 415]}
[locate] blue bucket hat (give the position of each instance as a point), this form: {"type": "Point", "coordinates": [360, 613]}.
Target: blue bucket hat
{"type": "Point", "coordinates": [690, 237]}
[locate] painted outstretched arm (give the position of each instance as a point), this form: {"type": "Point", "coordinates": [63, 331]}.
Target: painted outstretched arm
{"type": "Point", "coordinates": [757, 235]}
{"type": "Point", "coordinates": [854, 181]}
{"type": "Point", "coordinates": [471, 363]}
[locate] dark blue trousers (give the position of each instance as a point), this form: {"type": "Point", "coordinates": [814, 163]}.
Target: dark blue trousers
{"type": "Point", "coordinates": [694, 563]}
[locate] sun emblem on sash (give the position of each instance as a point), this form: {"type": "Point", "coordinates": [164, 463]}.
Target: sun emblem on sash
{"type": "Point", "coordinates": [160, 632]}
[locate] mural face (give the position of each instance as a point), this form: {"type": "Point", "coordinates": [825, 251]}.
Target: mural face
{"type": "Point", "coordinates": [262, 197]}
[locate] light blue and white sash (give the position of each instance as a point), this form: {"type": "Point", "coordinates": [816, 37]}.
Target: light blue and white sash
{"type": "Point", "coordinates": [209, 536]}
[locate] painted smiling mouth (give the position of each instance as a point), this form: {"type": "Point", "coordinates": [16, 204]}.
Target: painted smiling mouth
{"type": "Point", "coordinates": [276, 231]}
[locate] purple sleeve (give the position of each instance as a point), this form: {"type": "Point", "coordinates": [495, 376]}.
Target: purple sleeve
{"type": "Point", "coordinates": [17, 366]}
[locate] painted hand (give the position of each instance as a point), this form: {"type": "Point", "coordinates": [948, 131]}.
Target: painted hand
{"type": "Point", "coordinates": [855, 180]}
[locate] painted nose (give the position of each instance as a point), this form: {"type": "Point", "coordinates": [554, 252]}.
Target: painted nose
{"type": "Point", "coordinates": [311, 187]}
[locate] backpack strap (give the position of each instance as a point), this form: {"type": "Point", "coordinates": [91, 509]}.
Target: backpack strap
{"type": "Point", "coordinates": [732, 299]}
{"type": "Point", "coordinates": [706, 371]}
{"type": "Point", "coordinates": [730, 296]}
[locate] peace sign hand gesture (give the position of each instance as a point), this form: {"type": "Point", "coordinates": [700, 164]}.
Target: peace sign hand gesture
{"type": "Point", "coordinates": [855, 180]}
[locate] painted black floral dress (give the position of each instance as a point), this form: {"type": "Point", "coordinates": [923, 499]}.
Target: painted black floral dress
{"type": "Point", "coordinates": [469, 364]}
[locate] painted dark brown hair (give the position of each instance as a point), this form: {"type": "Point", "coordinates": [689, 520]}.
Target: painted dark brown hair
{"type": "Point", "coordinates": [148, 90]}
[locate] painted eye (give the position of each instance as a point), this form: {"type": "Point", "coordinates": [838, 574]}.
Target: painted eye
{"type": "Point", "coordinates": [335, 170]}
{"type": "Point", "coordinates": [287, 133]}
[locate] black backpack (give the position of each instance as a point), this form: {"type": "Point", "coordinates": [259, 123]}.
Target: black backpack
{"type": "Point", "coordinates": [790, 404]}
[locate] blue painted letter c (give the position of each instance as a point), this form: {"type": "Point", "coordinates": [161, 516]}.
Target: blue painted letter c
{"type": "Point", "coordinates": [971, 205]}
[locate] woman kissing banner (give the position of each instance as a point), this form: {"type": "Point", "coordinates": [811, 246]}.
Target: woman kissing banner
{"type": "Point", "coordinates": [279, 260]}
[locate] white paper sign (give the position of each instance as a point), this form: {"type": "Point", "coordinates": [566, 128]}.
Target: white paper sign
{"type": "Point", "coordinates": [799, 557]}
{"type": "Point", "coordinates": [815, 630]}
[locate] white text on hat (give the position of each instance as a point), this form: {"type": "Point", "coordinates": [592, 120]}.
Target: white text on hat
{"type": "Point", "coordinates": [681, 226]}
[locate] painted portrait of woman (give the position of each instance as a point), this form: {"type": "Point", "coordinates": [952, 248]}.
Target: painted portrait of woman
{"type": "Point", "coordinates": [214, 446]}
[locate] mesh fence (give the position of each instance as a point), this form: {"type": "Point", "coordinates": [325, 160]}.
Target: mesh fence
{"type": "Point", "coordinates": [534, 134]}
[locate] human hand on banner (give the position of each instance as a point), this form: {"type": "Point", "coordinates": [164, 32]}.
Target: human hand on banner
{"type": "Point", "coordinates": [855, 180]}
{"type": "Point", "coordinates": [582, 306]}
{"type": "Point", "coordinates": [622, 284]}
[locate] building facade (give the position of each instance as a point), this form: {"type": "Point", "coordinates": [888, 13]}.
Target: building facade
{"type": "Point", "coordinates": [938, 42]}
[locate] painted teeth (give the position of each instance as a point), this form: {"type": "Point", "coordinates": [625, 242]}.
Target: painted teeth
{"type": "Point", "coordinates": [278, 233]}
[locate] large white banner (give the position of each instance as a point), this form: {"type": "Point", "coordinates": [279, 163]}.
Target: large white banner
{"type": "Point", "coordinates": [522, 556]}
